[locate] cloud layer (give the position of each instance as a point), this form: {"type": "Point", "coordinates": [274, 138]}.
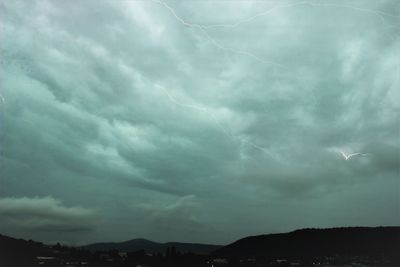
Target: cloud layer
{"type": "Point", "coordinates": [225, 118]}
{"type": "Point", "coordinates": [47, 214]}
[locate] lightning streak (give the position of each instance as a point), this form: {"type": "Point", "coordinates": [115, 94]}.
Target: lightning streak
{"type": "Point", "coordinates": [226, 130]}
{"type": "Point", "coordinates": [349, 156]}
{"type": "Point", "coordinates": [381, 14]}
{"type": "Point", "coordinates": [203, 29]}
{"type": "Point", "coordinates": [245, 20]}
{"type": "Point", "coordinates": [195, 107]}
{"type": "Point", "coordinates": [213, 41]}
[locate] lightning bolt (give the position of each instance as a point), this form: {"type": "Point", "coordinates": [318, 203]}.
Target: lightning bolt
{"type": "Point", "coordinates": [2, 99]}
{"type": "Point", "coordinates": [225, 130]}
{"type": "Point", "coordinates": [213, 41]}
{"type": "Point", "coordinates": [203, 28]}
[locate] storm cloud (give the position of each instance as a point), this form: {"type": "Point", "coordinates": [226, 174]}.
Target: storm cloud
{"type": "Point", "coordinates": [199, 121]}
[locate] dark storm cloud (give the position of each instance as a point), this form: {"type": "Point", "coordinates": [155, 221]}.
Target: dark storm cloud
{"type": "Point", "coordinates": [209, 120]}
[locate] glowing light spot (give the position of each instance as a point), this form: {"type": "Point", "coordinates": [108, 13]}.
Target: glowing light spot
{"type": "Point", "coordinates": [349, 156]}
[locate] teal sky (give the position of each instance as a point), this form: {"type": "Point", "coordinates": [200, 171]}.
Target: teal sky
{"type": "Point", "coordinates": [197, 121]}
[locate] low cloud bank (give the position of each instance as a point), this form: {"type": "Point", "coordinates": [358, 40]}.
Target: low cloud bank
{"type": "Point", "coordinates": [45, 214]}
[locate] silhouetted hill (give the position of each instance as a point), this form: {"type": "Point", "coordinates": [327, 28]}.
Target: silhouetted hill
{"type": "Point", "coordinates": [130, 245]}
{"type": "Point", "coordinates": [369, 241]}
{"type": "Point", "coordinates": [151, 247]}
{"type": "Point", "coordinates": [193, 247]}
{"type": "Point", "coordinates": [20, 252]}
{"type": "Point", "coordinates": [308, 247]}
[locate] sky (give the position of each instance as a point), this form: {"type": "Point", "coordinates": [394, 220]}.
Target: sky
{"type": "Point", "coordinates": [197, 121]}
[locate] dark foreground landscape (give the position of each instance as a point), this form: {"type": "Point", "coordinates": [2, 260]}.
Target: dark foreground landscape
{"type": "Point", "coordinates": [355, 246]}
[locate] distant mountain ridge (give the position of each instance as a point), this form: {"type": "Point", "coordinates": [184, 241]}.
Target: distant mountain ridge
{"type": "Point", "coordinates": [373, 241]}
{"type": "Point", "coordinates": [352, 246]}
{"type": "Point", "coordinates": [151, 247]}
{"type": "Point", "coordinates": [317, 242]}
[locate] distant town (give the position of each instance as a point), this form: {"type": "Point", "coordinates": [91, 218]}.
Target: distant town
{"type": "Point", "coordinates": [354, 247]}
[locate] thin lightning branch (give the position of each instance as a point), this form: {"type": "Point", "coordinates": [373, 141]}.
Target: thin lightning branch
{"type": "Point", "coordinates": [255, 146]}
{"type": "Point", "coordinates": [381, 14]}
{"type": "Point", "coordinates": [245, 20]}
{"type": "Point", "coordinates": [226, 130]}
{"type": "Point", "coordinates": [213, 41]}
{"type": "Point", "coordinates": [198, 108]}
{"type": "Point", "coordinates": [176, 16]}
{"type": "Point", "coordinates": [304, 3]}
{"type": "Point", "coordinates": [2, 99]}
